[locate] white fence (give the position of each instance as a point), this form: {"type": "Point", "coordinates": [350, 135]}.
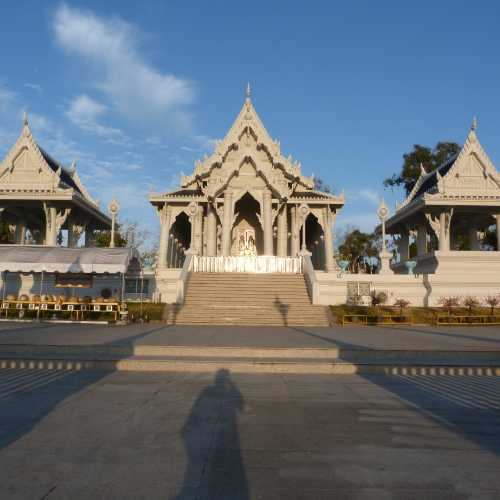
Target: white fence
{"type": "Point", "coordinates": [259, 264]}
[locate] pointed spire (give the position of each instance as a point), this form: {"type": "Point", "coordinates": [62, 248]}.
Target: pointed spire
{"type": "Point", "coordinates": [248, 92]}
{"type": "Point", "coordinates": [25, 118]}
{"type": "Point", "coordinates": [474, 124]}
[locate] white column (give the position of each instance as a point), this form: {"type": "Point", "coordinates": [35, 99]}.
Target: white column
{"type": "Point", "coordinates": [268, 223]}
{"type": "Point", "coordinates": [227, 223]}
{"type": "Point", "coordinates": [444, 233]}
{"type": "Point", "coordinates": [211, 231]}
{"type": "Point", "coordinates": [329, 261]}
{"type": "Point", "coordinates": [294, 244]}
{"type": "Point", "coordinates": [51, 226]}
{"type": "Point", "coordinates": [497, 217]}
{"type": "Point", "coordinates": [282, 232]}
{"type": "Point", "coordinates": [165, 217]}
{"type": "Point", "coordinates": [421, 240]}
{"type": "Point", "coordinates": [404, 244]}
{"type": "Point", "coordinates": [20, 234]}
{"type": "Point", "coordinates": [473, 238]}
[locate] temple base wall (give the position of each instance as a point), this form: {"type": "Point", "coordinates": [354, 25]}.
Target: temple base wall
{"type": "Point", "coordinates": [166, 285]}
{"type": "Point", "coordinates": [457, 274]}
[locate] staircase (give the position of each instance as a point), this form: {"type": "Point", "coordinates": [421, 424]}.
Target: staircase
{"type": "Point", "coordinates": [247, 299]}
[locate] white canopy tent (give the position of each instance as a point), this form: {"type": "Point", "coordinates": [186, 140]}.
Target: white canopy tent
{"type": "Point", "coordinates": [37, 259]}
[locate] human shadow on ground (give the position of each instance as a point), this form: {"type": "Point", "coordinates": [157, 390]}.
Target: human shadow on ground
{"type": "Point", "coordinates": [283, 309]}
{"type": "Point", "coordinates": [467, 406]}
{"type": "Point", "coordinates": [214, 467]}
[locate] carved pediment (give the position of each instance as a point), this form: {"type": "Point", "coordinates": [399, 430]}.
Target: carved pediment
{"type": "Point", "coordinates": [247, 141]}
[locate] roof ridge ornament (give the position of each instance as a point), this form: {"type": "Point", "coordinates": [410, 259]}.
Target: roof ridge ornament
{"type": "Point", "coordinates": [248, 92]}
{"type": "Point", "coordinates": [25, 118]}
{"type": "Point", "coordinates": [474, 124]}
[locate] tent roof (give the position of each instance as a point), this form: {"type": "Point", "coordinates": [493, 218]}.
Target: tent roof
{"type": "Point", "coordinates": [38, 258]}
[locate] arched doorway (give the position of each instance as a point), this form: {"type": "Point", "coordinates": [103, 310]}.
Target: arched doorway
{"type": "Point", "coordinates": [179, 240]}
{"type": "Point", "coordinates": [315, 241]}
{"type": "Point", "coordinates": [247, 235]}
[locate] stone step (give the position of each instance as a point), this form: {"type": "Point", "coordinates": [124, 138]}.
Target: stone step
{"type": "Point", "coordinates": [246, 365]}
{"type": "Point", "coordinates": [247, 299]}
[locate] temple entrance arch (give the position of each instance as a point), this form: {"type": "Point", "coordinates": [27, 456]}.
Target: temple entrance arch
{"type": "Point", "coordinates": [247, 235]}
{"type": "Point", "coordinates": [314, 241]}
{"type": "Point", "coordinates": [179, 240]}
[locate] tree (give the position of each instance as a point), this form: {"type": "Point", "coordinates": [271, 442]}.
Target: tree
{"type": "Point", "coordinates": [103, 238]}
{"type": "Point", "coordinates": [6, 235]}
{"type": "Point", "coordinates": [429, 158]}
{"type": "Point", "coordinates": [360, 250]}
{"type": "Point", "coordinates": [321, 185]}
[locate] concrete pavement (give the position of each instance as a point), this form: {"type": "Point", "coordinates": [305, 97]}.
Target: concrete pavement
{"type": "Point", "coordinates": [95, 435]}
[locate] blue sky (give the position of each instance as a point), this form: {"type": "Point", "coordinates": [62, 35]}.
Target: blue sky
{"type": "Point", "coordinates": [137, 91]}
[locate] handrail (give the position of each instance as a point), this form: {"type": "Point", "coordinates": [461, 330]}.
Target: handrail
{"type": "Point", "coordinates": [181, 282]}
{"type": "Point", "coordinates": [310, 276]}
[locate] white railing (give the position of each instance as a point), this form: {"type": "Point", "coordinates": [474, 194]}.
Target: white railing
{"type": "Point", "coordinates": [246, 264]}
{"type": "Point", "coordinates": [310, 276]}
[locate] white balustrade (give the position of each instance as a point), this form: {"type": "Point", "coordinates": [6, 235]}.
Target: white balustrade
{"type": "Point", "coordinates": [246, 264]}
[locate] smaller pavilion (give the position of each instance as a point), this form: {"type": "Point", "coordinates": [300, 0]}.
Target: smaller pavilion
{"type": "Point", "coordinates": [448, 211]}
{"type": "Point", "coordinates": [41, 197]}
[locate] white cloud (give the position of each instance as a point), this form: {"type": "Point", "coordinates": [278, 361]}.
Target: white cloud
{"type": "Point", "coordinates": [135, 88]}
{"type": "Point", "coordinates": [365, 194]}
{"type": "Point", "coordinates": [6, 97]}
{"type": "Point", "coordinates": [84, 112]}
{"type": "Point", "coordinates": [34, 86]}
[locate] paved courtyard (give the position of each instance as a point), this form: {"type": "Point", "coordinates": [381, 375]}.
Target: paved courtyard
{"type": "Point", "coordinates": [350, 337]}
{"type": "Point", "coordinates": [98, 435]}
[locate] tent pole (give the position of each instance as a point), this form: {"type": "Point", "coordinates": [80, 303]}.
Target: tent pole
{"type": "Point", "coordinates": [40, 303]}
{"type": "Point", "coordinates": [142, 288]}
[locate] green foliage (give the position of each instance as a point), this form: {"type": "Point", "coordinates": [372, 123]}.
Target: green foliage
{"type": "Point", "coordinates": [490, 238]}
{"type": "Point", "coordinates": [154, 312]}
{"type": "Point", "coordinates": [321, 185]}
{"type": "Point", "coordinates": [378, 298]}
{"type": "Point", "coordinates": [360, 250]}
{"type": "Point", "coordinates": [103, 238]}
{"type": "Point", "coordinates": [421, 155]}
{"type": "Point", "coordinates": [6, 236]}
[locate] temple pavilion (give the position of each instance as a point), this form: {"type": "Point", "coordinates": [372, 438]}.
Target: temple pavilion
{"type": "Point", "coordinates": [246, 199]}
{"type": "Point", "coordinates": [447, 213]}
{"type": "Point", "coordinates": [39, 197]}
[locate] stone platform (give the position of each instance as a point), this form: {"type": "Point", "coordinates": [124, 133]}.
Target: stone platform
{"type": "Point", "coordinates": [335, 350]}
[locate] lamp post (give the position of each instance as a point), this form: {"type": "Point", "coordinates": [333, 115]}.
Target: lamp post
{"type": "Point", "coordinates": [384, 255]}
{"type": "Point", "coordinates": [113, 208]}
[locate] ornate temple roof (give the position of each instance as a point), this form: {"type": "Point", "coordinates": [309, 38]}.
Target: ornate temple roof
{"type": "Point", "coordinates": [248, 145]}
{"type": "Point", "coordinates": [468, 178]}
{"type": "Point", "coordinates": [29, 172]}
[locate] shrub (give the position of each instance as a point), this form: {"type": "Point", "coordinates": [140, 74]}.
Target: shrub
{"type": "Point", "coordinates": [449, 303]}
{"type": "Point", "coordinates": [150, 310]}
{"type": "Point", "coordinates": [492, 301]}
{"type": "Point", "coordinates": [378, 298]}
{"type": "Point", "coordinates": [402, 304]}
{"type": "Point", "coordinates": [471, 303]}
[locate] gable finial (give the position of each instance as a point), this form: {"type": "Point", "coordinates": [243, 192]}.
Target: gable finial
{"type": "Point", "coordinates": [248, 92]}
{"type": "Point", "coordinates": [474, 124]}
{"type": "Point", "coordinates": [25, 118]}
